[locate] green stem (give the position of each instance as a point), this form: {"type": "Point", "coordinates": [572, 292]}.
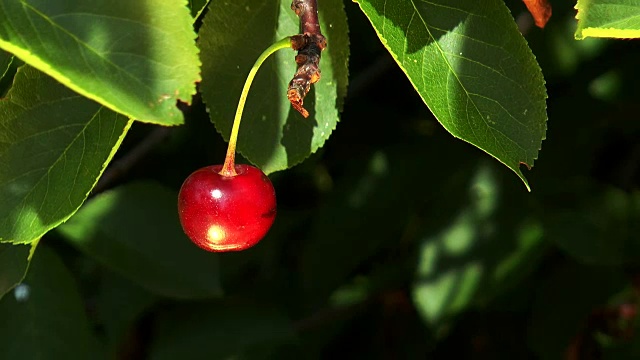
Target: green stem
{"type": "Point", "coordinates": [229, 168]}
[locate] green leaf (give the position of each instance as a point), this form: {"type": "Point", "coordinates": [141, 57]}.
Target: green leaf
{"type": "Point", "coordinates": [53, 148]}
{"type": "Point", "coordinates": [608, 18]}
{"type": "Point", "coordinates": [472, 68]}
{"type": "Point", "coordinates": [218, 330]}
{"type": "Point", "coordinates": [273, 135]}
{"type": "Point", "coordinates": [134, 230]}
{"type": "Point", "coordinates": [44, 318]}
{"type": "Point", "coordinates": [14, 263]}
{"type": "Point", "coordinates": [135, 57]}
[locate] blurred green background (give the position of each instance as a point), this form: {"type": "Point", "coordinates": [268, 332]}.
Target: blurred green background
{"type": "Point", "coordinates": [394, 241]}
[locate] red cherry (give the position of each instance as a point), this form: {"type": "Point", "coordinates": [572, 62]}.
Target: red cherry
{"type": "Point", "coordinates": [227, 213]}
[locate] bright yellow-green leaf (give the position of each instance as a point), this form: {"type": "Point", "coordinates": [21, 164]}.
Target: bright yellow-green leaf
{"type": "Point", "coordinates": [608, 18]}
{"type": "Point", "coordinates": [135, 57]}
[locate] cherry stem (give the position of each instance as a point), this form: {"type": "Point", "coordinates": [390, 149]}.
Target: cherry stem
{"type": "Point", "coordinates": [229, 168]}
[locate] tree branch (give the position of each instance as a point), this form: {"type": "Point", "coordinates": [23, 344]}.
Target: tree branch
{"type": "Point", "coordinates": [309, 45]}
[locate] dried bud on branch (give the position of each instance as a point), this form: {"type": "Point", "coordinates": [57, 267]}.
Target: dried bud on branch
{"type": "Point", "coordinates": [309, 45]}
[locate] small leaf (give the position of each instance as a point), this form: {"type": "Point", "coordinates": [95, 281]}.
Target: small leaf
{"type": "Point", "coordinates": [218, 330]}
{"type": "Point", "coordinates": [53, 147]}
{"type": "Point", "coordinates": [44, 318]}
{"type": "Point", "coordinates": [608, 18]}
{"type": "Point", "coordinates": [135, 57]}
{"type": "Point", "coordinates": [472, 68]}
{"type": "Point", "coordinates": [134, 230]}
{"type": "Point", "coordinates": [14, 262]}
{"type": "Point", "coordinates": [273, 135]}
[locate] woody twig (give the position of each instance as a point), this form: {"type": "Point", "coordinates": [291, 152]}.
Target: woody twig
{"type": "Point", "coordinates": [309, 45]}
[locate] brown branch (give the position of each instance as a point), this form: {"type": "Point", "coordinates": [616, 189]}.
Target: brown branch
{"type": "Point", "coordinates": [309, 45]}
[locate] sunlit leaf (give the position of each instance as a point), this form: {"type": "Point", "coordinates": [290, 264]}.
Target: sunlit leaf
{"type": "Point", "coordinates": [273, 135]}
{"type": "Point", "coordinates": [472, 68]}
{"type": "Point", "coordinates": [135, 57]}
{"type": "Point", "coordinates": [608, 18]}
{"type": "Point", "coordinates": [54, 147]}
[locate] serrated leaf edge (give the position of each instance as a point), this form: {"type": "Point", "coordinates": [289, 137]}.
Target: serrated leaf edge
{"type": "Point", "coordinates": [516, 170]}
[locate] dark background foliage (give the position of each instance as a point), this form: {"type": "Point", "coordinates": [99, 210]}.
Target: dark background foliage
{"type": "Point", "coordinates": [394, 241]}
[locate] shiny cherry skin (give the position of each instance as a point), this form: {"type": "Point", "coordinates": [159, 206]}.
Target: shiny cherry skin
{"type": "Point", "coordinates": [226, 213]}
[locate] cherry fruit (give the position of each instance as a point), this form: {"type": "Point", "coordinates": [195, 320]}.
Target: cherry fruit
{"type": "Point", "coordinates": [230, 207]}
{"type": "Point", "coordinates": [224, 212]}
